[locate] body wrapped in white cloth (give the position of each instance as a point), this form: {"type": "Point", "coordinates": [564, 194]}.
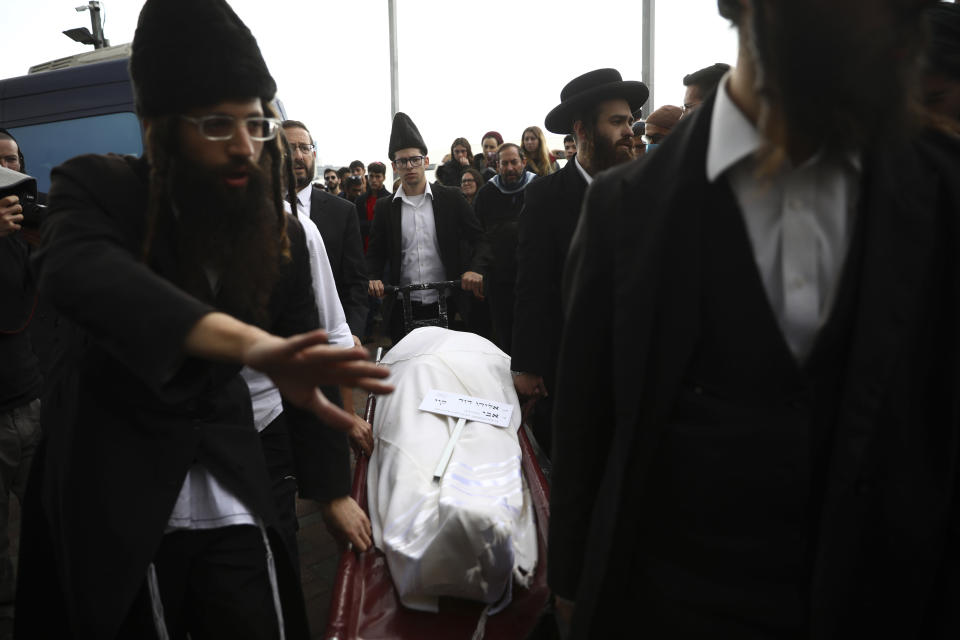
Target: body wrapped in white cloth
{"type": "Point", "coordinates": [470, 534]}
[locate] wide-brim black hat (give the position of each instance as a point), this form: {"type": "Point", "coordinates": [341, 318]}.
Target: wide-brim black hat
{"type": "Point", "coordinates": [589, 89]}
{"type": "Point", "coordinates": [194, 53]}
{"type": "Point", "coordinates": [404, 135]}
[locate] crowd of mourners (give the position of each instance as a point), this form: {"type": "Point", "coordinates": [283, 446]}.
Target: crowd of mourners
{"type": "Point", "coordinates": [733, 325]}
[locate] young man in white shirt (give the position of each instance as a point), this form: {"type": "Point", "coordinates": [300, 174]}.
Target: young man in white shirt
{"type": "Point", "coordinates": [424, 233]}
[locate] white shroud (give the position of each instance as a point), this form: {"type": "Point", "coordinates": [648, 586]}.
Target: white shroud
{"type": "Point", "coordinates": [473, 531]}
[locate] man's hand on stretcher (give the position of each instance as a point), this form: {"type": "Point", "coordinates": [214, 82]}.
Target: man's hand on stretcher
{"type": "Point", "coordinates": [470, 281]}
{"type": "Point", "coordinates": [361, 434]}
{"type": "Point", "coordinates": [297, 365]}
{"type": "Point", "coordinates": [347, 522]}
{"type": "Point", "coordinates": [473, 282]}
{"type": "Point", "coordinates": [375, 288]}
{"type": "Point", "coordinates": [529, 385]}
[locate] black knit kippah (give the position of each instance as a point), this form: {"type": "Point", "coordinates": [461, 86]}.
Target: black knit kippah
{"type": "Point", "coordinates": [194, 53]}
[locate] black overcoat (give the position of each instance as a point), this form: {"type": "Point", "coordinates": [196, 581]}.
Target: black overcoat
{"type": "Point", "coordinates": [886, 562]}
{"type": "Point", "coordinates": [337, 221]}
{"type": "Point", "coordinates": [550, 212]}
{"type": "Point", "coordinates": [129, 413]}
{"type": "Point", "coordinates": [498, 213]}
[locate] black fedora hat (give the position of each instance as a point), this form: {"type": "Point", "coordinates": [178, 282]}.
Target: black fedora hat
{"type": "Point", "coordinates": [590, 88]}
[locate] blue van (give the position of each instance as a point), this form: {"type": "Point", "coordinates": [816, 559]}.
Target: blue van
{"type": "Point", "coordinates": [68, 107]}
{"type": "Point", "coordinates": [74, 105]}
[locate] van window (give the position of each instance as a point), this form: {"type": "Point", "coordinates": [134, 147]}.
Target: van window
{"type": "Point", "coordinates": [46, 145]}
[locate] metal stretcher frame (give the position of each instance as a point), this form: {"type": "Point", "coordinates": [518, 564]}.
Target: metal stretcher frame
{"type": "Point", "coordinates": [365, 603]}
{"type": "Point", "coordinates": [445, 288]}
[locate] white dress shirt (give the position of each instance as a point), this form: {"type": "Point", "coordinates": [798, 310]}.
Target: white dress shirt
{"type": "Point", "coordinates": [799, 220]}
{"type": "Point", "coordinates": [304, 197]}
{"type": "Point", "coordinates": [419, 249]}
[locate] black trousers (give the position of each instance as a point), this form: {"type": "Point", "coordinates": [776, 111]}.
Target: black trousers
{"type": "Point", "coordinates": [213, 585]}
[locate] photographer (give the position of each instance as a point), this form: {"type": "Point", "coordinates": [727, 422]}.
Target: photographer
{"type": "Point", "coordinates": [14, 214]}
{"type": "Point", "coordinates": [20, 377]}
{"type": "Point", "coordinates": [11, 215]}
{"type": "Point", "coordinates": [11, 212]}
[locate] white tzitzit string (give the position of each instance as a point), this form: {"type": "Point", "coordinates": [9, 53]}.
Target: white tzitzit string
{"type": "Point", "coordinates": [156, 605]}
{"type": "Point", "coordinates": [272, 573]}
{"type": "Point", "coordinates": [481, 629]}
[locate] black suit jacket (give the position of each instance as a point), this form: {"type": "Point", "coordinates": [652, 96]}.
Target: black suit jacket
{"type": "Point", "coordinates": [337, 221]}
{"type": "Point", "coordinates": [458, 232]}
{"type": "Point", "coordinates": [887, 553]}
{"type": "Point", "coordinates": [550, 212]}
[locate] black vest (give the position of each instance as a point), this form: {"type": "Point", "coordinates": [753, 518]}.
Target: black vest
{"type": "Point", "coordinates": [733, 497]}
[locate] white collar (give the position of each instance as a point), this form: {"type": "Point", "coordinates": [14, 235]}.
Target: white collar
{"type": "Point", "coordinates": [732, 136]}
{"type": "Point", "coordinates": [583, 172]}
{"type": "Point", "coordinates": [403, 196]}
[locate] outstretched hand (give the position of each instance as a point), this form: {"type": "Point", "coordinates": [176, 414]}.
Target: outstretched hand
{"type": "Point", "coordinates": [298, 365]}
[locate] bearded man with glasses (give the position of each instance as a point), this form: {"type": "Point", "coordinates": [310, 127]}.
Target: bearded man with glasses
{"type": "Point", "coordinates": [425, 233]}
{"type": "Point", "coordinates": [149, 512]}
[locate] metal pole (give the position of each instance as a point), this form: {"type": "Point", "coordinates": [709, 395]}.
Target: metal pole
{"type": "Point", "coordinates": [647, 52]}
{"type": "Point", "coordinates": [99, 42]}
{"type": "Point", "coordinates": [394, 80]}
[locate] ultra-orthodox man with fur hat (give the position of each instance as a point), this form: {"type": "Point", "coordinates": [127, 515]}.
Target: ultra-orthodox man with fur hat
{"type": "Point", "coordinates": [150, 510]}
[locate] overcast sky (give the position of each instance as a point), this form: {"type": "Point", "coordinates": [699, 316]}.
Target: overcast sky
{"type": "Point", "coordinates": [465, 68]}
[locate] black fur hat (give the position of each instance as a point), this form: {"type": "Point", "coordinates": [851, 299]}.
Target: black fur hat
{"type": "Point", "coordinates": [194, 53]}
{"type": "Point", "coordinates": [404, 135]}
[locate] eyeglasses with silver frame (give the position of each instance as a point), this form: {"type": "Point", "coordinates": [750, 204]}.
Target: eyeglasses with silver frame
{"type": "Point", "coordinates": [305, 149]}
{"type": "Point", "coordinates": [218, 127]}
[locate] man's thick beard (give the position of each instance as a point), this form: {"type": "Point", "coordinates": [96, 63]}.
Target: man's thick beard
{"type": "Point", "coordinates": [834, 76]}
{"type": "Point", "coordinates": [603, 153]}
{"type": "Point", "coordinates": [307, 176]}
{"type": "Point", "coordinates": [231, 232]}
{"type": "Point", "coordinates": [511, 180]}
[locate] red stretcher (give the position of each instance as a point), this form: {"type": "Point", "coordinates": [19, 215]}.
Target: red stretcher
{"type": "Point", "coordinates": [365, 603]}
